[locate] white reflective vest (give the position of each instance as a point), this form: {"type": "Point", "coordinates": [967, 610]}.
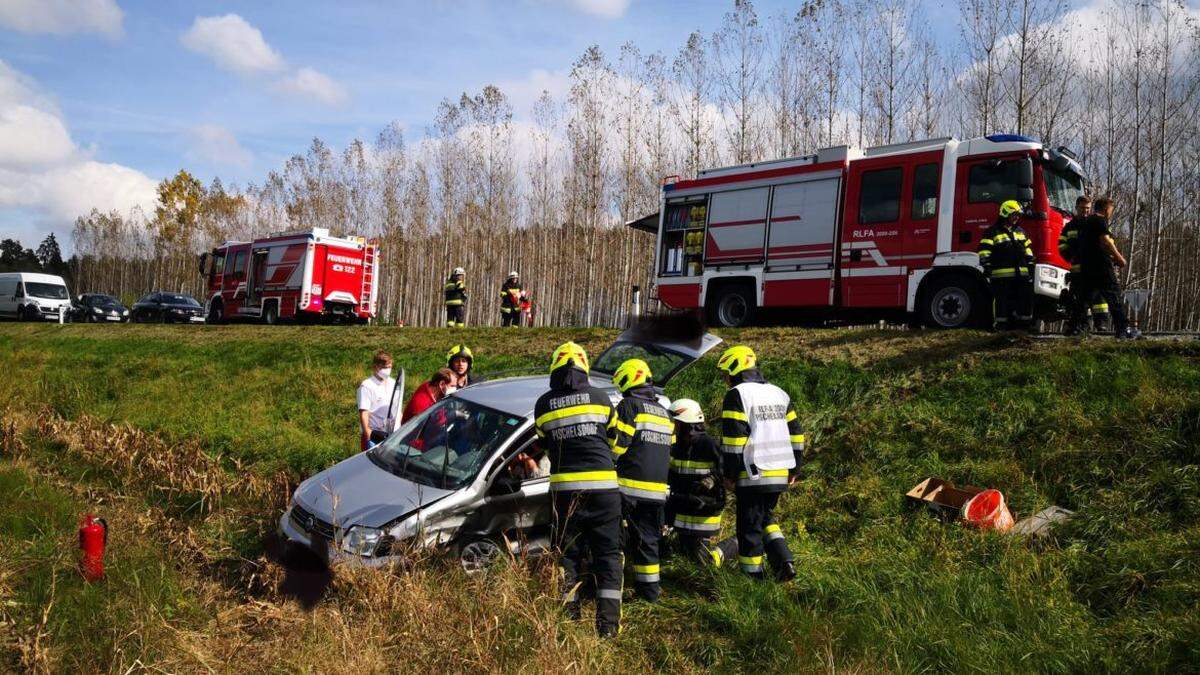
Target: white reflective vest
{"type": "Point", "coordinates": [770, 444]}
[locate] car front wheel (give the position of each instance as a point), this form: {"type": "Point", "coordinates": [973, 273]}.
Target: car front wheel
{"type": "Point", "coordinates": [478, 555]}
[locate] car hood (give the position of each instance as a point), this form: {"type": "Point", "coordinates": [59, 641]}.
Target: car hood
{"type": "Point", "coordinates": [356, 491]}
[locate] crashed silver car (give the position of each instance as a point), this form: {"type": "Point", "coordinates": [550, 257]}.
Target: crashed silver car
{"type": "Point", "coordinates": [457, 476]}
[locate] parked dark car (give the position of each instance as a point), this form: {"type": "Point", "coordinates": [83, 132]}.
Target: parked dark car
{"type": "Point", "coordinates": [167, 308]}
{"type": "Point", "coordinates": [97, 308]}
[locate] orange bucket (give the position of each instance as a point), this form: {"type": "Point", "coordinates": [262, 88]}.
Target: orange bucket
{"type": "Point", "coordinates": [987, 511]}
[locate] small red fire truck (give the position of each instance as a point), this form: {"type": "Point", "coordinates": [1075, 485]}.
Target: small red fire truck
{"type": "Point", "coordinates": [886, 231]}
{"type": "Point", "coordinates": [302, 276]}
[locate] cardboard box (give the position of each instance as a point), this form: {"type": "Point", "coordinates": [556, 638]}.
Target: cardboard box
{"type": "Point", "coordinates": [942, 497]}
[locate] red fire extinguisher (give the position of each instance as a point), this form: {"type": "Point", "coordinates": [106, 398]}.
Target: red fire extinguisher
{"type": "Point", "coordinates": [93, 536]}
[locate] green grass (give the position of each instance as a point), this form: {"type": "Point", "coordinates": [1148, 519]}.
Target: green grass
{"type": "Point", "coordinates": [1106, 429]}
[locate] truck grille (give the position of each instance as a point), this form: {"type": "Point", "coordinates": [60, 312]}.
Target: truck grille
{"type": "Point", "coordinates": [310, 523]}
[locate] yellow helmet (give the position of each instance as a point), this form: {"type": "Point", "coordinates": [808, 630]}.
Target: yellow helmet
{"type": "Point", "coordinates": [460, 350]}
{"type": "Point", "coordinates": [1010, 207]}
{"type": "Point", "coordinates": [569, 353]}
{"type": "Point", "coordinates": [736, 359]}
{"type": "Point", "coordinates": [632, 373]}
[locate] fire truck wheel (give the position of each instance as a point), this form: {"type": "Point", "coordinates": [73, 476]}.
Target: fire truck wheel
{"type": "Point", "coordinates": [733, 306]}
{"type": "Point", "coordinates": [271, 315]}
{"type": "Point", "coordinates": [952, 301]}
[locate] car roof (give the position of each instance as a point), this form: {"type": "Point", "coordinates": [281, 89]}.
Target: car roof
{"type": "Point", "coordinates": [36, 277]}
{"type": "Point", "coordinates": [516, 395]}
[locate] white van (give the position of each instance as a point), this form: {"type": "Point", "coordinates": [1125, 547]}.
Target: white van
{"type": "Point", "coordinates": [32, 297]}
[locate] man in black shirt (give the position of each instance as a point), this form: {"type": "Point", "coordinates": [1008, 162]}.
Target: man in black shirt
{"type": "Point", "coordinates": [1099, 257]}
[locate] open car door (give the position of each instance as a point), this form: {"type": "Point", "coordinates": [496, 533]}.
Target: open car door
{"type": "Point", "coordinates": [666, 354]}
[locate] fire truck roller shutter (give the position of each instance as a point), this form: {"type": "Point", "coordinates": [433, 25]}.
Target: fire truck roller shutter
{"type": "Point", "coordinates": [737, 226]}
{"type": "Point", "coordinates": [800, 243]}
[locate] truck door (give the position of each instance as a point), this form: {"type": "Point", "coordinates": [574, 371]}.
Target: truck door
{"type": "Point", "coordinates": [920, 230]}
{"type": "Point", "coordinates": [235, 272]}
{"type": "Point", "coordinates": [872, 249]}
{"type": "Point", "coordinates": [257, 277]}
{"type": "Point", "coordinates": [983, 183]}
{"type": "Point", "coordinates": [216, 270]}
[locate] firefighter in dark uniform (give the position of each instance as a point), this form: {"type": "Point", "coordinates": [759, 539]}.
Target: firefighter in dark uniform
{"type": "Point", "coordinates": [1068, 241]}
{"type": "Point", "coordinates": [1006, 255]}
{"type": "Point", "coordinates": [761, 444]}
{"type": "Point", "coordinates": [640, 434]}
{"type": "Point", "coordinates": [456, 299]}
{"type": "Point", "coordinates": [571, 420]}
{"type": "Point", "coordinates": [510, 300]}
{"type": "Point", "coordinates": [697, 491]}
{"type": "Point", "coordinates": [1099, 256]}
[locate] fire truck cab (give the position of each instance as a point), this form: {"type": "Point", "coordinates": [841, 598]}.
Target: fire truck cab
{"type": "Point", "coordinates": [889, 230]}
{"type": "Point", "coordinates": [306, 275]}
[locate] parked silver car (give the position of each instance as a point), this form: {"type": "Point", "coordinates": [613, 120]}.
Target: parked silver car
{"type": "Point", "coordinates": [448, 477]}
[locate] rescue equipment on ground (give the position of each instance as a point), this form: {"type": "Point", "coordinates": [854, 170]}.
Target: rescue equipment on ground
{"type": "Point", "coordinates": [93, 538]}
{"type": "Point", "coordinates": [987, 511]}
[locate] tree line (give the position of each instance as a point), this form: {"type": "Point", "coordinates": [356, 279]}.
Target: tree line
{"type": "Point", "coordinates": [545, 193]}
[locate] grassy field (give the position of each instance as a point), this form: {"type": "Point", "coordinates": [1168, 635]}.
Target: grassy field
{"type": "Point", "coordinates": [189, 439]}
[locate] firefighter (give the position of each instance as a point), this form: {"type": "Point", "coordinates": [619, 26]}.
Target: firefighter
{"type": "Point", "coordinates": [511, 294]}
{"type": "Point", "coordinates": [456, 298]}
{"type": "Point", "coordinates": [459, 360]}
{"type": "Point", "coordinates": [1006, 255]}
{"type": "Point", "coordinates": [761, 445]}
{"type": "Point", "coordinates": [1100, 259]}
{"type": "Point", "coordinates": [697, 493]}
{"type": "Point", "coordinates": [571, 420]}
{"type": "Point", "coordinates": [1068, 240]}
{"type": "Point", "coordinates": [640, 434]}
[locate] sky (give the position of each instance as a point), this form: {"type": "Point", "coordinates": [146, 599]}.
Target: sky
{"type": "Point", "coordinates": [100, 99]}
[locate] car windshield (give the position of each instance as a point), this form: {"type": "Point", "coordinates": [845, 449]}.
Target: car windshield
{"type": "Point", "coordinates": [1063, 188]}
{"type": "Point", "coordinates": [105, 301]}
{"type": "Point", "coordinates": [445, 446]}
{"type": "Point", "coordinates": [48, 291]}
{"type": "Point", "coordinates": [176, 299]}
{"type": "Point", "coordinates": [663, 362]}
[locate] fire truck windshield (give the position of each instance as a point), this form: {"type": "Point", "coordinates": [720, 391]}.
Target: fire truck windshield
{"type": "Point", "coordinates": [1063, 187]}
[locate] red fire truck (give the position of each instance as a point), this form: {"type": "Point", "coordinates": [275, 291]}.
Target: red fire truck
{"type": "Point", "coordinates": [886, 231]}
{"type": "Point", "coordinates": [302, 276]}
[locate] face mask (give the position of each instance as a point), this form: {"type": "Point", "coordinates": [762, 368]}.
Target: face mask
{"type": "Point", "coordinates": [383, 373]}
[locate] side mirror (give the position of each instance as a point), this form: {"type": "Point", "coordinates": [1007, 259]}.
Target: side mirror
{"type": "Point", "coordinates": [1024, 173]}
{"type": "Point", "coordinates": [203, 264]}
{"type": "Point", "coordinates": [1025, 194]}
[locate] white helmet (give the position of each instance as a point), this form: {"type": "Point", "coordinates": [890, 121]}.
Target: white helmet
{"type": "Point", "coordinates": [457, 271]}
{"type": "Point", "coordinates": [688, 411]}
{"type": "Point", "coordinates": [513, 274]}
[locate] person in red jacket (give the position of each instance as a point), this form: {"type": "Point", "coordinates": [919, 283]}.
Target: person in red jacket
{"type": "Point", "coordinates": [428, 393]}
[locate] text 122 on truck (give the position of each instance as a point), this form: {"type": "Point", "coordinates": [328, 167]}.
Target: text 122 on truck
{"type": "Point", "coordinates": [306, 275]}
{"type": "Point", "coordinates": [886, 231]}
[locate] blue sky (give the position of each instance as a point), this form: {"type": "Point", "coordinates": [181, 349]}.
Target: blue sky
{"type": "Point", "coordinates": [143, 88]}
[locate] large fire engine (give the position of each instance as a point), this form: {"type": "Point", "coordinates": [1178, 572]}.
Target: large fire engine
{"type": "Point", "coordinates": [303, 276]}
{"type": "Point", "coordinates": [888, 230]}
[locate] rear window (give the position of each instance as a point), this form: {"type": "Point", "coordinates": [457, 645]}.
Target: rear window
{"type": "Point", "coordinates": [879, 198]}
{"type": "Point", "coordinates": [990, 182]}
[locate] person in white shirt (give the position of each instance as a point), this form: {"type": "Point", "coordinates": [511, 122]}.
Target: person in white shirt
{"type": "Point", "coordinates": [377, 405]}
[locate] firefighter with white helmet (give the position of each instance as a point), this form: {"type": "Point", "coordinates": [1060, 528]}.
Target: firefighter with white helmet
{"type": "Point", "coordinates": [511, 293]}
{"type": "Point", "coordinates": [1006, 255]}
{"type": "Point", "coordinates": [697, 494]}
{"type": "Point", "coordinates": [456, 298]}
{"type": "Point", "coordinates": [571, 420]}
{"type": "Point", "coordinates": [761, 445]}
{"type": "Point", "coordinates": [640, 433]}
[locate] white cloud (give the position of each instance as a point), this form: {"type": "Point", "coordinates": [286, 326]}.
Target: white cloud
{"type": "Point", "coordinates": [62, 17]}
{"type": "Point", "coordinates": [606, 9]}
{"type": "Point", "coordinates": [214, 143]}
{"type": "Point", "coordinates": [307, 83]}
{"type": "Point", "coordinates": [233, 44]}
{"type": "Point", "coordinates": [43, 169]}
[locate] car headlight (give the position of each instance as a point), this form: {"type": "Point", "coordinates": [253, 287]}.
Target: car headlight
{"type": "Point", "coordinates": [125, 313]}
{"type": "Point", "coordinates": [360, 540]}
{"type": "Point", "coordinates": [97, 310]}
